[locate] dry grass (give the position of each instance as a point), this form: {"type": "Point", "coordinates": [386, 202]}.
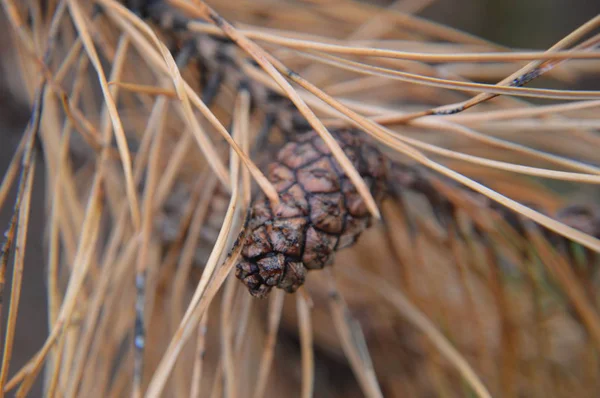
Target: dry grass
{"type": "Point", "coordinates": [485, 291]}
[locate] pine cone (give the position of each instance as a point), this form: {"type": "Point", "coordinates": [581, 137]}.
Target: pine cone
{"type": "Point", "coordinates": [320, 211]}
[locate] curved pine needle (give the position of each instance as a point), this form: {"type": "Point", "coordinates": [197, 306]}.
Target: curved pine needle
{"type": "Point", "coordinates": [435, 122]}
{"type": "Point", "coordinates": [500, 165]}
{"type": "Point", "coordinates": [124, 17]}
{"type": "Point", "coordinates": [414, 78]}
{"type": "Point", "coordinates": [81, 25]}
{"type": "Point", "coordinates": [210, 153]}
{"type": "Point", "coordinates": [405, 55]}
{"type": "Point", "coordinates": [525, 74]}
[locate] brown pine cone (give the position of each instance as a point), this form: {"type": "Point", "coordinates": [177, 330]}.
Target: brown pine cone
{"type": "Point", "coordinates": [320, 211]}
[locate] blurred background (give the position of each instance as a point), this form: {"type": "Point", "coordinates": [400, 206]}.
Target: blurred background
{"type": "Point", "coordinates": [532, 24]}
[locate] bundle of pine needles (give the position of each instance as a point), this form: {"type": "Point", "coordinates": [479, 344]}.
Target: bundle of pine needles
{"type": "Point", "coordinates": [156, 120]}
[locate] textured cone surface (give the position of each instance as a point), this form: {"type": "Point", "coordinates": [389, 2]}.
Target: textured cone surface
{"type": "Point", "coordinates": [320, 211]}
